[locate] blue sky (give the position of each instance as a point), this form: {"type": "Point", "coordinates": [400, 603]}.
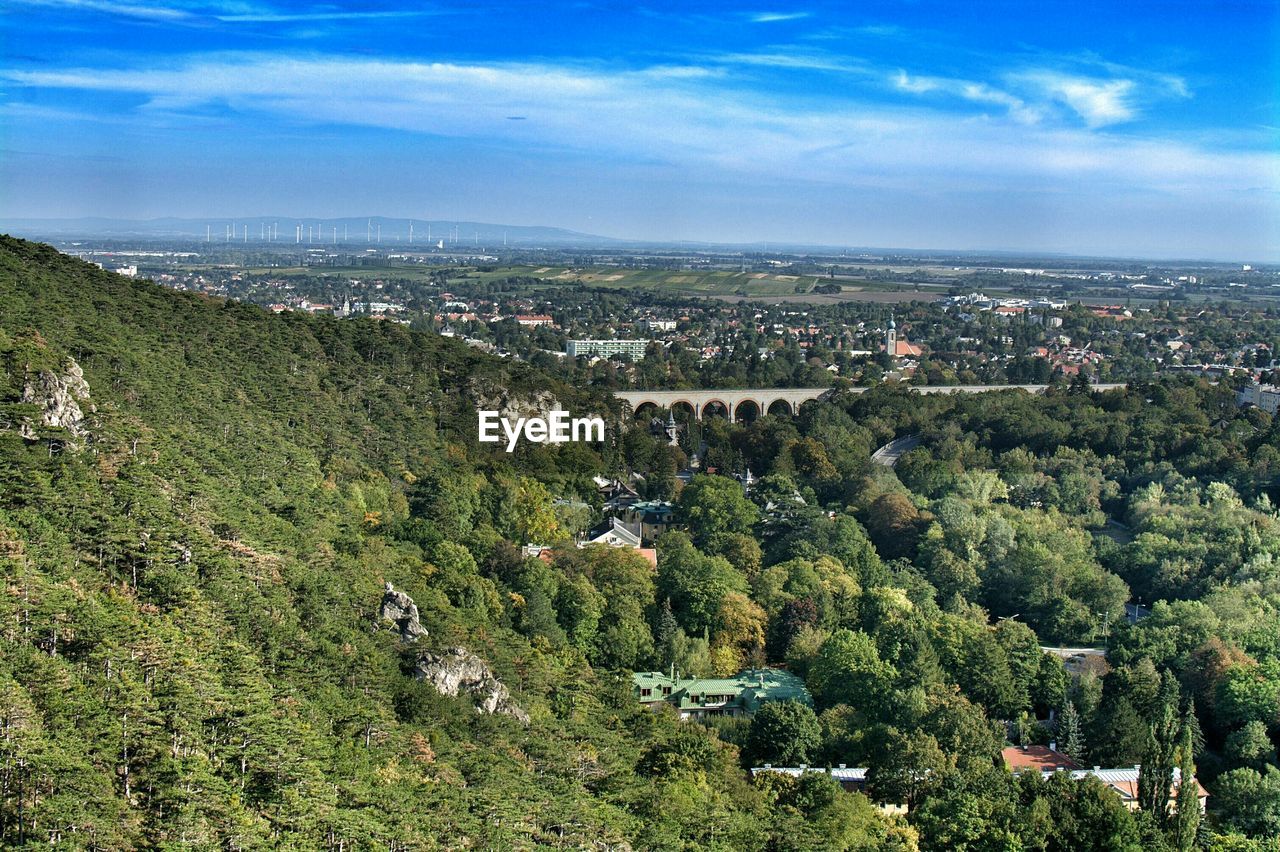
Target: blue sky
{"type": "Point", "coordinates": [1135, 128]}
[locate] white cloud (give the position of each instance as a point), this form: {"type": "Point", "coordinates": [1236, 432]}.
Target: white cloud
{"type": "Point", "coordinates": [226, 11]}
{"type": "Point", "coordinates": [152, 11]}
{"type": "Point", "coordinates": [690, 120]}
{"type": "Point", "coordinates": [794, 60]}
{"type": "Point", "coordinates": [777, 17]}
{"type": "Point", "coordinates": [1097, 102]}
{"type": "Point", "coordinates": [269, 17]}
{"type": "Point", "coordinates": [969, 90]}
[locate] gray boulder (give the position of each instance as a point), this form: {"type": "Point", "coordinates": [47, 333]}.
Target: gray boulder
{"type": "Point", "coordinates": [457, 671]}
{"type": "Point", "coordinates": [59, 399]}
{"type": "Point", "coordinates": [399, 608]}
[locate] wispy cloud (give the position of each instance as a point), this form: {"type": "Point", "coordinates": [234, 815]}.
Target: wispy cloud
{"type": "Point", "coordinates": [150, 11]}
{"type": "Point", "coordinates": [676, 117]}
{"type": "Point", "coordinates": [296, 17]}
{"type": "Point", "coordinates": [777, 17]}
{"type": "Point", "coordinates": [794, 60]}
{"type": "Point", "coordinates": [225, 11]}
{"type": "Point", "coordinates": [1097, 102]}
{"type": "Point", "coordinates": [969, 90]}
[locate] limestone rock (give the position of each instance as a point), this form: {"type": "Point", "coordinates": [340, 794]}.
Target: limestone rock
{"type": "Point", "coordinates": [59, 398]}
{"type": "Point", "coordinates": [399, 608]}
{"type": "Point", "coordinates": [457, 671]}
{"type": "Point", "coordinates": [514, 406]}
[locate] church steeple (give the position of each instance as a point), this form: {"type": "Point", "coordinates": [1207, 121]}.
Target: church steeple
{"type": "Point", "coordinates": [891, 338]}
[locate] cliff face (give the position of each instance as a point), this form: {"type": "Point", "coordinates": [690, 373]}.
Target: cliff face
{"type": "Point", "coordinates": [59, 398]}
{"type": "Point", "coordinates": [457, 671]}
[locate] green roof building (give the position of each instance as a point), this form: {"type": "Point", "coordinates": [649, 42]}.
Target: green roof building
{"type": "Point", "coordinates": [729, 696]}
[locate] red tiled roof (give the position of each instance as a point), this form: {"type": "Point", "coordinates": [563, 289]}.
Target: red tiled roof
{"type": "Point", "coordinates": [1018, 758]}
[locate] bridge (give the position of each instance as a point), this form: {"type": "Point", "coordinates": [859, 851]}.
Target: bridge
{"type": "Point", "coordinates": [750, 403]}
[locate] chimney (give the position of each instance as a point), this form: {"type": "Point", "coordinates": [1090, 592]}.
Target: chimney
{"type": "Point", "coordinates": [842, 766]}
{"type": "Point", "coordinates": [803, 767]}
{"type": "Point", "coordinates": [768, 766]}
{"type": "Point", "coordinates": [1053, 746]}
{"type": "Point", "coordinates": [1097, 769]}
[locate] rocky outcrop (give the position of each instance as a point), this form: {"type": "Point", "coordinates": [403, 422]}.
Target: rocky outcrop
{"type": "Point", "coordinates": [514, 406]}
{"type": "Point", "coordinates": [399, 608]}
{"type": "Point", "coordinates": [457, 671]}
{"type": "Point", "coordinates": [59, 399]}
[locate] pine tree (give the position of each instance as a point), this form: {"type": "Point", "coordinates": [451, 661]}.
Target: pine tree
{"type": "Point", "coordinates": [665, 638]}
{"type": "Point", "coordinates": [1186, 819]}
{"type": "Point", "coordinates": [1070, 733]}
{"type": "Point", "coordinates": [1159, 753]}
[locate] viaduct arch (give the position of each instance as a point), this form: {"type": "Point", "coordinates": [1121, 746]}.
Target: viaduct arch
{"type": "Point", "coordinates": [749, 403]}
{"type": "Point", "coordinates": [741, 404]}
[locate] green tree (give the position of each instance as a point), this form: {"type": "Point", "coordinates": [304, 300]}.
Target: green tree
{"type": "Point", "coordinates": [1071, 733]}
{"type": "Point", "coordinates": [848, 670]}
{"type": "Point", "coordinates": [785, 733]}
{"type": "Point", "coordinates": [714, 508]}
{"type": "Point", "coordinates": [1248, 801]}
{"type": "Point", "coordinates": [1250, 746]}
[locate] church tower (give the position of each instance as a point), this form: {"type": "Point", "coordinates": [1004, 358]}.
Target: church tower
{"type": "Point", "coordinates": [891, 339]}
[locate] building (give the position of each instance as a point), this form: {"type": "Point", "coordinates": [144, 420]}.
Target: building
{"type": "Point", "coordinates": [534, 320]}
{"type": "Point", "coordinates": [615, 533]}
{"type": "Point", "coordinates": [851, 779]}
{"type": "Point", "coordinates": [740, 695]}
{"type": "Point", "coordinates": [1266, 397]}
{"type": "Point", "coordinates": [1043, 759]}
{"type": "Point", "coordinates": [651, 517]}
{"type": "Point", "coordinates": [606, 348]}
{"type": "Point", "coordinates": [896, 347]}
{"type": "Point", "coordinates": [655, 325]}
{"type": "Point", "coordinates": [1122, 781]}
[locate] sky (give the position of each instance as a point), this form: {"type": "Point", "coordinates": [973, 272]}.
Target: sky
{"type": "Point", "coordinates": [1134, 129]}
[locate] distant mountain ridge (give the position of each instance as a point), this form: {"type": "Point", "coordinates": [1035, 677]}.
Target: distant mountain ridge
{"type": "Point", "coordinates": [316, 230]}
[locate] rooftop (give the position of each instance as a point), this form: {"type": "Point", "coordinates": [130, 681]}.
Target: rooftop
{"type": "Point", "coordinates": [1018, 758]}
{"type": "Point", "coordinates": [748, 688]}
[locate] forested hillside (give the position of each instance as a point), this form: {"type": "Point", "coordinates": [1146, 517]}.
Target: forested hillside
{"type": "Point", "coordinates": [202, 504]}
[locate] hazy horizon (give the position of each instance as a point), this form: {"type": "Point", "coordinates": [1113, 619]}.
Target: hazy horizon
{"type": "Point", "coordinates": [1078, 129]}
{"type": "Point", "coordinates": [489, 239]}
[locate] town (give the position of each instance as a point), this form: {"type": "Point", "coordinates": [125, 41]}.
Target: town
{"type": "Point", "coordinates": [621, 322]}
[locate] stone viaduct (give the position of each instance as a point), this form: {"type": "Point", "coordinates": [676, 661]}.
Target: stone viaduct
{"type": "Point", "coordinates": [749, 403]}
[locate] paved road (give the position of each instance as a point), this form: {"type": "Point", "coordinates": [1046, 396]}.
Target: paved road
{"type": "Point", "coordinates": [1074, 652]}
{"type": "Point", "coordinates": [889, 454]}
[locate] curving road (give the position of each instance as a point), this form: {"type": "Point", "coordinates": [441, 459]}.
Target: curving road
{"type": "Point", "coordinates": [889, 454]}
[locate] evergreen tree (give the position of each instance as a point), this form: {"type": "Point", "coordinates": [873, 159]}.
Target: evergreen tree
{"type": "Point", "coordinates": [1159, 754]}
{"type": "Point", "coordinates": [666, 637]}
{"type": "Point", "coordinates": [1186, 818]}
{"type": "Point", "coordinates": [1071, 733]}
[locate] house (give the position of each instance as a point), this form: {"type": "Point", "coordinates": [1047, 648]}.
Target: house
{"type": "Point", "coordinates": [537, 551]}
{"type": "Point", "coordinates": [695, 698]}
{"type": "Point", "coordinates": [1123, 781]}
{"type": "Point", "coordinates": [850, 779]}
{"type": "Point", "coordinates": [616, 533]}
{"type": "Point", "coordinates": [652, 516]}
{"type": "Point", "coordinates": [1266, 397]}
{"type": "Point", "coordinates": [614, 493]}
{"type": "Point", "coordinates": [1043, 759]}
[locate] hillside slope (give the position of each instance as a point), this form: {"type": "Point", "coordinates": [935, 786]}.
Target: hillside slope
{"type": "Point", "coordinates": [195, 543]}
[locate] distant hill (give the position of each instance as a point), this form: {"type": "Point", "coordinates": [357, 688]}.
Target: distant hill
{"type": "Point", "coordinates": [286, 229]}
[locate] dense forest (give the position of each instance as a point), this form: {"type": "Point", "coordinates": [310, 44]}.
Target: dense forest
{"type": "Point", "coordinates": [202, 504]}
